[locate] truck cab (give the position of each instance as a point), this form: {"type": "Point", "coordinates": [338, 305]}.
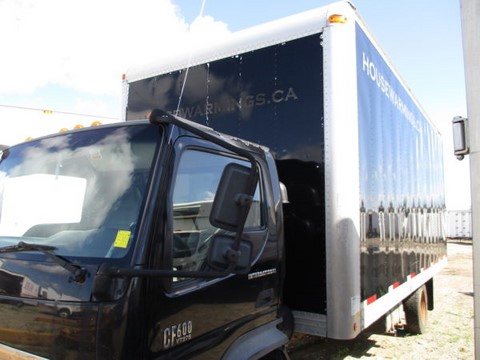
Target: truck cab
{"type": "Point", "coordinates": [146, 239]}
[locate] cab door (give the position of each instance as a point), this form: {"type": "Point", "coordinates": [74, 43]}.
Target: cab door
{"type": "Point", "coordinates": [202, 316]}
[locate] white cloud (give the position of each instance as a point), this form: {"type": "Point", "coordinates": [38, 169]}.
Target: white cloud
{"type": "Point", "coordinates": [87, 45]}
{"type": "Point", "coordinates": [202, 28]}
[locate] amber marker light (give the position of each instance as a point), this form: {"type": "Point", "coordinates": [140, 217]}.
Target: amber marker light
{"type": "Point", "coordinates": [337, 19]}
{"type": "Point", "coordinates": [96, 123]}
{"type": "Point", "coordinates": [78, 126]}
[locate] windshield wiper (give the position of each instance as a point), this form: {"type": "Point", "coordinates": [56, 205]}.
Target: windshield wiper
{"type": "Point", "coordinates": [79, 273]}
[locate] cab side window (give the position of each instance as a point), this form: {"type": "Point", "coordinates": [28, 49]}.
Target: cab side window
{"type": "Point", "coordinates": [195, 185]}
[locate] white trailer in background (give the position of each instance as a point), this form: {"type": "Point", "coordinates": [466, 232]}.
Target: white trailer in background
{"type": "Point", "coordinates": [459, 224]}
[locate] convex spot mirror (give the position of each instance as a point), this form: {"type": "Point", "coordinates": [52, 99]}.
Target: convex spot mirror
{"type": "Point", "coordinates": [220, 255]}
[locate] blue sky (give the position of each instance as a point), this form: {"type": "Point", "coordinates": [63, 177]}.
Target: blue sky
{"type": "Point", "coordinates": [69, 55]}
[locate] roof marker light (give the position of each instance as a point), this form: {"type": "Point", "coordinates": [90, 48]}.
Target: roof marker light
{"type": "Point", "coordinates": [337, 19]}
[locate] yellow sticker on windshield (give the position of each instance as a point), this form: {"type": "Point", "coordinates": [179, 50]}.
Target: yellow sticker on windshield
{"type": "Point", "coordinates": [122, 238]}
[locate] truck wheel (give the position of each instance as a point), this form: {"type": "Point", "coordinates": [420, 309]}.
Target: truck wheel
{"type": "Point", "coordinates": [64, 313]}
{"type": "Point", "coordinates": [416, 311]}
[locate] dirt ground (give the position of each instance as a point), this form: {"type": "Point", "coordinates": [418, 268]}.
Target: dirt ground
{"type": "Point", "coordinates": [450, 325]}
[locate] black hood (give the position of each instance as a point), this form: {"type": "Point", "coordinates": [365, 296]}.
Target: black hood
{"type": "Point", "coordinates": [45, 312]}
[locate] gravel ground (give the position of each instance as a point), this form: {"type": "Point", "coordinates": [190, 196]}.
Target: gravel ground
{"type": "Point", "coordinates": [449, 333]}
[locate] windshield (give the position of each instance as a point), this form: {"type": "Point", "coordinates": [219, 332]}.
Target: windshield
{"type": "Point", "coordinates": [78, 192]}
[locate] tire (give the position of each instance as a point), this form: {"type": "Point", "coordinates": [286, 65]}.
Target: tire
{"type": "Point", "coordinates": [416, 311]}
{"type": "Point", "coordinates": [64, 313]}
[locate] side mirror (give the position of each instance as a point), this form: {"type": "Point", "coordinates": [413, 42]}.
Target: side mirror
{"type": "Point", "coordinates": [233, 198]}
{"type": "Point", "coordinates": [229, 212]}
{"type": "Point", "coordinates": [222, 254]}
{"type": "Point", "coordinates": [460, 139]}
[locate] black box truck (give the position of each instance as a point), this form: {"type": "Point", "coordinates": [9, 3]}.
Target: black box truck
{"type": "Point", "coordinates": [304, 193]}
